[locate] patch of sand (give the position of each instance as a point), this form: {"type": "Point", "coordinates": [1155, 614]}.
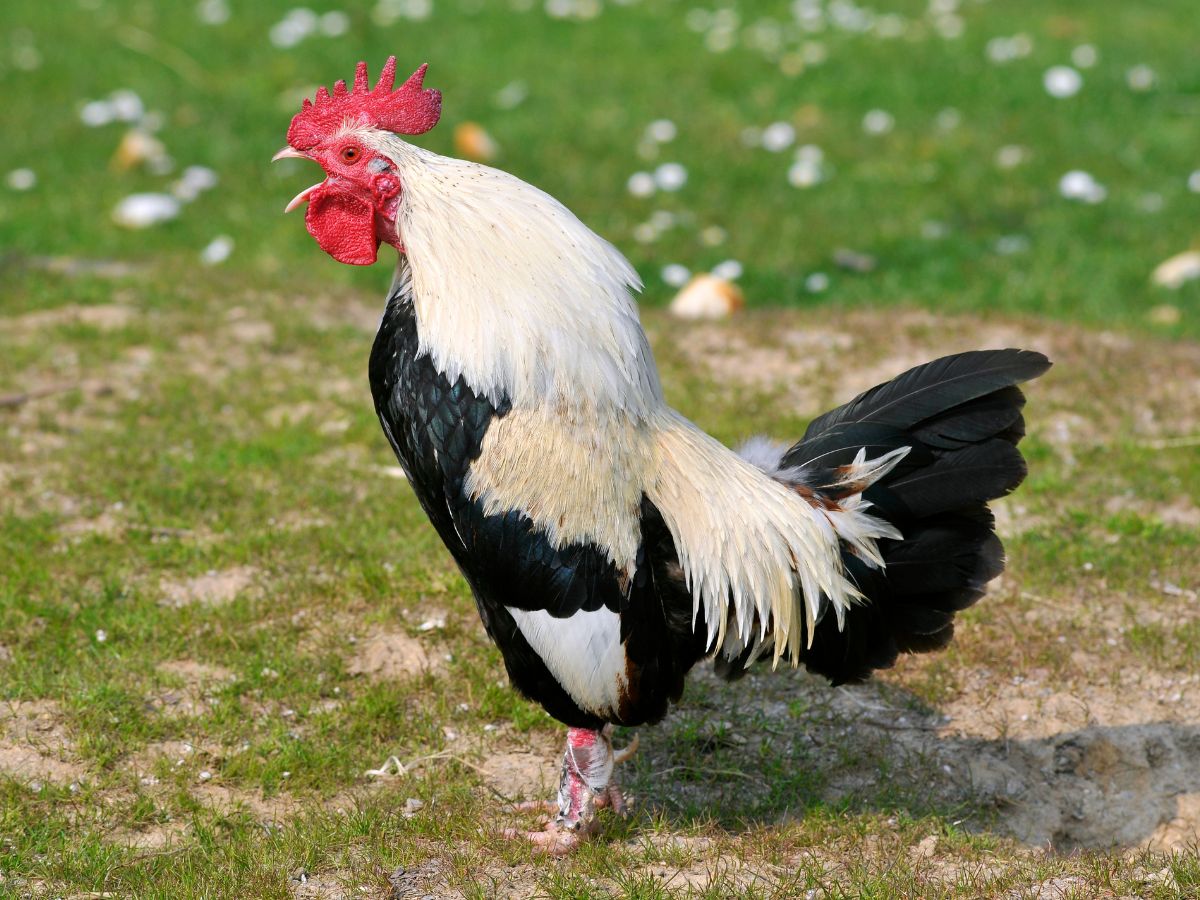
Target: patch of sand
{"type": "Point", "coordinates": [154, 837]}
{"type": "Point", "coordinates": [35, 745]}
{"type": "Point", "coordinates": [194, 696]}
{"type": "Point", "coordinates": [104, 317]}
{"type": "Point", "coordinates": [522, 775]}
{"type": "Point", "coordinates": [1102, 383]}
{"type": "Point", "coordinates": [223, 799]}
{"type": "Point", "coordinates": [392, 655]}
{"type": "Point", "coordinates": [214, 588]}
{"type": "Point", "coordinates": [172, 754]}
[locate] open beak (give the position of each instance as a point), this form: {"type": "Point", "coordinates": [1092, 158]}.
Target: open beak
{"type": "Point", "coordinates": [302, 197]}
{"type": "Point", "coordinates": [288, 153]}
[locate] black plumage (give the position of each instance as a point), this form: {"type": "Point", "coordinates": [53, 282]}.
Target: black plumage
{"type": "Point", "coordinates": [961, 417]}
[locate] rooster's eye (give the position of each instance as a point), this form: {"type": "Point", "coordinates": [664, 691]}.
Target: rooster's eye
{"type": "Point", "coordinates": [351, 154]}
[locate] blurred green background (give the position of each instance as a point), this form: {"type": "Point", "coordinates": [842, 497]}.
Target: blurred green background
{"type": "Point", "coordinates": [929, 126]}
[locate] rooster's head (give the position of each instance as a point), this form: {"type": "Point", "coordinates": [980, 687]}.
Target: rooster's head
{"type": "Point", "coordinates": [354, 209]}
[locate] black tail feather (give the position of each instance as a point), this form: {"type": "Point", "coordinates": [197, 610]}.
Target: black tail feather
{"type": "Point", "coordinates": [962, 417]}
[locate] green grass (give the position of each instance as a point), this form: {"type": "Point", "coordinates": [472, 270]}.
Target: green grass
{"type": "Point", "coordinates": [205, 420]}
{"type": "Point", "coordinates": [227, 95]}
{"type": "Point", "coordinates": [237, 446]}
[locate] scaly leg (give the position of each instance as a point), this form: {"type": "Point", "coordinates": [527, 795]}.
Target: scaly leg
{"type": "Point", "coordinates": [585, 785]}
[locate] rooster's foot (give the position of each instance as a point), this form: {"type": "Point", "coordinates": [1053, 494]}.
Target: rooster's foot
{"type": "Point", "coordinates": [585, 785]}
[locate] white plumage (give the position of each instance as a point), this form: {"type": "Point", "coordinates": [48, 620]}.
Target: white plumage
{"type": "Point", "coordinates": [522, 300]}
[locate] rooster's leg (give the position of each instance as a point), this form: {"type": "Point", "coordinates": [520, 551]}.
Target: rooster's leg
{"type": "Point", "coordinates": [585, 785]}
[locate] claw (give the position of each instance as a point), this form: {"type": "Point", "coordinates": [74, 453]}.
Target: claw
{"type": "Point", "coordinates": [619, 756]}
{"type": "Point", "coordinates": [614, 799]}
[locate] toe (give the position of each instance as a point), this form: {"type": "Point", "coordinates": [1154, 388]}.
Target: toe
{"type": "Point", "coordinates": [553, 841]}
{"type": "Point", "coordinates": [616, 800]}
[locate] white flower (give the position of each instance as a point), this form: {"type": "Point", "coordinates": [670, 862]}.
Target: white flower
{"type": "Point", "coordinates": [126, 106]}
{"type": "Point", "coordinates": [1085, 56]}
{"type": "Point", "coordinates": [1140, 78]}
{"type": "Point", "coordinates": [670, 176]}
{"type": "Point", "coordinates": [145, 210]}
{"type": "Point", "coordinates": [676, 275]}
{"type": "Point", "coordinates": [1062, 81]}
{"type": "Point", "coordinates": [1079, 185]}
{"type": "Point", "coordinates": [1010, 156]}
{"type": "Point", "coordinates": [217, 251]}
{"type": "Point", "coordinates": [730, 270]}
{"type": "Point", "coordinates": [816, 282]}
{"type": "Point", "coordinates": [194, 181]}
{"type": "Point", "coordinates": [641, 184]}
{"type": "Point", "coordinates": [96, 113]}
{"type": "Point", "coordinates": [878, 121]}
{"type": "Point", "coordinates": [661, 131]}
{"type": "Point", "coordinates": [212, 12]}
{"type": "Point", "coordinates": [21, 179]}
{"type": "Point", "coordinates": [334, 23]}
{"type": "Point", "coordinates": [805, 172]}
{"type": "Point", "coordinates": [778, 136]}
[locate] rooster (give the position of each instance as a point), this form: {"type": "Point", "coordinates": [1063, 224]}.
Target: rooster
{"type": "Point", "coordinates": [611, 544]}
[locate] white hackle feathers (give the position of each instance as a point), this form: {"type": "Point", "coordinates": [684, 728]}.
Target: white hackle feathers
{"type": "Point", "coordinates": [514, 293]}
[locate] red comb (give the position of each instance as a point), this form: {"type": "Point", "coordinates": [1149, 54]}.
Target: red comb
{"type": "Point", "coordinates": [409, 109]}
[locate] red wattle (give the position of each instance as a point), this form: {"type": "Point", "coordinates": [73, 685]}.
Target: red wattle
{"type": "Point", "coordinates": [344, 226]}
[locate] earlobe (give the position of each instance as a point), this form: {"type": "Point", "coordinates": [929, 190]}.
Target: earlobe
{"type": "Point", "coordinates": [385, 186]}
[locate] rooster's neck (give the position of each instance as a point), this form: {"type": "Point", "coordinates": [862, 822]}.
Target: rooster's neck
{"type": "Point", "coordinates": [515, 294]}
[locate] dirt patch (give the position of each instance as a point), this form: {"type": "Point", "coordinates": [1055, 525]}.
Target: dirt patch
{"type": "Point", "coordinates": [392, 655]}
{"type": "Point", "coordinates": [104, 317]}
{"type": "Point", "coordinates": [522, 774]}
{"type": "Point", "coordinates": [760, 361]}
{"type": "Point", "coordinates": [1092, 765]}
{"type": "Point", "coordinates": [328, 886]}
{"type": "Point", "coordinates": [1013, 517]}
{"type": "Point", "coordinates": [35, 745]}
{"type": "Point", "coordinates": [251, 331]}
{"type": "Point", "coordinates": [214, 588]}
{"type": "Point", "coordinates": [227, 800]}
{"type": "Point", "coordinates": [107, 524]}
{"type": "Point", "coordinates": [432, 877]}
{"type": "Point", "coordinates": [157, 837]}
{"type": "Point", "coordinates": [196, 673]}
{"type": "Point", "coordinates": [194, 696]}
{"type": "Point", "coordinates": [31, 765]}
{"type": "Point", "coordinates": [1181, 512]}
{"type": "Point", "coordinates": [1071, 766]}
{"type": "Point", "coordinates": [821, 359]}
{"type": "Point", "coordinates": [175, 754]}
